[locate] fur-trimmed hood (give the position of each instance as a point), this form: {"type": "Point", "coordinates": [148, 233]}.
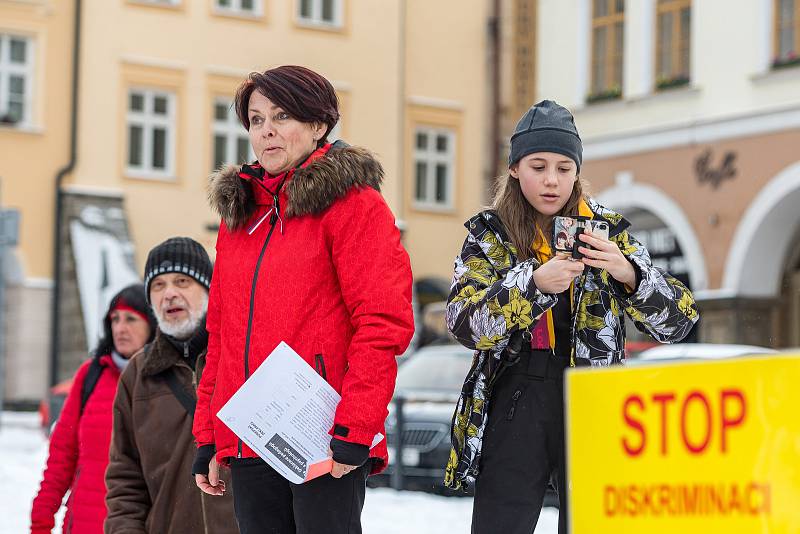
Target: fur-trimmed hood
{"type": "Point", "coordinates": [310, 191]}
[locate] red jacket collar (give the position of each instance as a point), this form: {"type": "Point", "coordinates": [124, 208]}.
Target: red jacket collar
{"type": "Point", "coordinates": [266, 185]}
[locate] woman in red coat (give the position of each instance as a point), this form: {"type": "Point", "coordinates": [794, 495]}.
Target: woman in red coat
{"type": "Point", "coordinates": [308, 253]}
{"type": "Point", "coordinates": [80, 440]}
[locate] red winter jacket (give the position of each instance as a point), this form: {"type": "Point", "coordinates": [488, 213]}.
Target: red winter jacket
{"type": "Point", "coordinates": [78, 458]}
{"type": "Point", "coordinates": [329, 277]}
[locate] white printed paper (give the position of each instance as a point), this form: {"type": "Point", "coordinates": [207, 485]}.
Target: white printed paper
{"type": "Point", "coordinates": [284, 412]}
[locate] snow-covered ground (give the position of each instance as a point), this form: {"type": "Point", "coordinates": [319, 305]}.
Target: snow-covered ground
{"type": "Point", "coordinates": [24, 451]}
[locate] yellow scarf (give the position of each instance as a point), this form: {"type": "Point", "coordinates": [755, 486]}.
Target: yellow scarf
{"type": "Point", "coordinates": [541, 248]}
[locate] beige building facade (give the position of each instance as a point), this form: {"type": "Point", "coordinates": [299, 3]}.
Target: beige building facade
{"type": "Point", "coordinates": [36, 39]}
{"type": "Point", "coordinates": [155, 87]}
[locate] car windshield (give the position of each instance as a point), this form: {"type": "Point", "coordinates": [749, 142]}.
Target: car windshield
{"type": "Point", "coordinates": [434, 372]}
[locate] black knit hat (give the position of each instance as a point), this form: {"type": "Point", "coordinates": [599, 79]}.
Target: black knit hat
{"type": "Point", "coordinates": [178, 255]}
{"type": "Point", "coordinates": [546, 127]}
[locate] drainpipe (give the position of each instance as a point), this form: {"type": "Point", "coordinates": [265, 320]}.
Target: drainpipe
{"type": "Point", "coordinates": [55, 315]}
{"type": "Point", "coordinates": [494, 111]}
{"type": "Point", "coordinates": [401, 129]}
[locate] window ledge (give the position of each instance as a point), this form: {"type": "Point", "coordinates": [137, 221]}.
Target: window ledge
{"type": "Point", "coordinates": [22, 128]}
{"type": "Point", "coordinates": [786, 73]}
{"type": "Point", "coordinates": [433, 208]}
{"type": "Point", "coordinates": [30, 2]}
{"type": "Point", "coordinates": [329, 27]}
{"type": "Point", "coordinates": [674, 93]}
{"type": "Point", "coordinates": [682, 91]}
{"type": "Point", "coordinates": [238, 15]}
{"type": "Point", "coordinates": [601, 105]}
{"type": "Point", "coordinates": [150, 177]}
{"type": "Point", "coordinates": [179, 6]}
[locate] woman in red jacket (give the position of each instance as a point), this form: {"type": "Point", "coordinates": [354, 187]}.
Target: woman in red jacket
{"type": "Point", "coordinates": [80, 440]}
{"type": "Point", "coordinates": [308, 253]}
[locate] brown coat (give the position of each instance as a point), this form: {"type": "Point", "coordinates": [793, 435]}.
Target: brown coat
{"type": "Point", "coordinates": [150, 485]}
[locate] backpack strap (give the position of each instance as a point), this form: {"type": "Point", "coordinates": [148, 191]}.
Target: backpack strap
{"type": "Point", "coordinates": [90, 381]}
{"type": "Point", "coordinates": [186, 399]}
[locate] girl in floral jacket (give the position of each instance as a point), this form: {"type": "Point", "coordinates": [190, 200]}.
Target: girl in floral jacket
{"type": "Point", "coordinates": [529, 314]}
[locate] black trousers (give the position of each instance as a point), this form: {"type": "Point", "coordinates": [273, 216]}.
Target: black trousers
{"type": "Point", "coordinates": [523, 447]}
{"type": "Point", "coordinates": [265, 502]}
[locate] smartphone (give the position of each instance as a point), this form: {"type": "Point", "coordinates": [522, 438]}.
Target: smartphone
{"type": "Point", "coordinates": [598, 228]}
{"type": "Point", "coordinates": [566, 230]}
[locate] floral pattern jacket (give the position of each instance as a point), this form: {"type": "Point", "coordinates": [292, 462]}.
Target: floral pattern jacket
{"type": "Point", "coordinates": [494, 304]}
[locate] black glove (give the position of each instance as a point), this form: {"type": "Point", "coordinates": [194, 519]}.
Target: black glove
{"type": "Point", "coordinates": [348, 453]}
{"type": "Point", "coordinates": [202, 458]}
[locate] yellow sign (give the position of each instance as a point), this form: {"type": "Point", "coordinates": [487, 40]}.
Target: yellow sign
{"type": "Point", "coordinates": [686, 448]}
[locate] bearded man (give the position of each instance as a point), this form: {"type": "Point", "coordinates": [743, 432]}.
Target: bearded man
{"type": "Point", "coordinates": [152, 448]}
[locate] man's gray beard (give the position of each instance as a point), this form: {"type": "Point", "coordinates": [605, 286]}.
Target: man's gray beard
{"type": "Point", "coordinates": [186, 328]}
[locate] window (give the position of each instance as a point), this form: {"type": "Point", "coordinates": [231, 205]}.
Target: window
{"type": "Point", "coordinates": [320, 12]}
{"type": "Point", "coordinates": [231, 143]}
{"type": "Point", "coordinates": [434, 162]}
{"type": "Point", "coordinates": [151, 133]}
{"type": "Point", "coordinates": [16, 75]}
{"type": "Point", "coordinates": [673, 43]}
{"type": "Point", "coordinates": [608, 21]}
{"type": "Point", "coordinates": [238, 7]}
{"type": "Point", "coordinates": [787, 33]}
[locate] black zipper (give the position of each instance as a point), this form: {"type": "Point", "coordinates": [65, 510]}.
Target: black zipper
{"type": "Point", "coordinates": [273, 221]}
{"type": "Point", "coordinates": [576, 304]}
{"type": "Point", "coordinates": [514, 398]}
{"type": "Point", "coordinates": [319, 365]}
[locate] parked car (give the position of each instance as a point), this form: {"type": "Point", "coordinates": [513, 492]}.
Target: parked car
{"type": "Point", "coordinates": [696, 351]}
{"type": "Point", "coordinates": [429, 383]}
{"type": "Point", "coordinates": [634, 348]}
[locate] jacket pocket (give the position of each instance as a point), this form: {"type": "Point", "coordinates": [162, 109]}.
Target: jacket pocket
{"type": "Point", "coordinates": [319, 366]}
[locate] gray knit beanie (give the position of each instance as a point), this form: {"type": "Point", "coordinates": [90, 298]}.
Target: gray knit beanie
{"type": "Point", "coordinates": [546, 127]}
{"type": "Point", "coordinates": [178, 255]}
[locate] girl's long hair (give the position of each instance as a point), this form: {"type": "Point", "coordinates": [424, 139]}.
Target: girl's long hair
{"type": "Point", "coordinates": [521, 220]}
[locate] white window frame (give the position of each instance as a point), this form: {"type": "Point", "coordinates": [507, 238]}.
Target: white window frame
{"type": "Point", "coordinates": [8, 69]}
{"type": "Point", "coordinates": [315, 20]}
{"type": "Point", "coordinates": [432, 157]}
{"type": "Point", "coordinates": [236, 9]}
{"type": "Point", "coordinates": [232, 130]}
{"type": "Point", "coordinates": [148, 120]}
{"type": "Point", "coordinates": [765, 44]}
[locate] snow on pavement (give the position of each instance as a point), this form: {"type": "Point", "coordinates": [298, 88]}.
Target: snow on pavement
{"type": "Point", "coordinates": [387, 511]}
{"type": "Point", "coordinates": [24, 449]}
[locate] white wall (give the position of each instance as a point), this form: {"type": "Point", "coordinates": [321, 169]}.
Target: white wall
{"type": "Point", "coordinates": [731, 54]}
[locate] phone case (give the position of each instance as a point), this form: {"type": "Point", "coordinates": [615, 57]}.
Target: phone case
{"type": "Point", "coordinates": [564, 234]}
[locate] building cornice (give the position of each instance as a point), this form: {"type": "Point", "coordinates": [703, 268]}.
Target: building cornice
{"type": "Point", "coordinates": [688, 133]}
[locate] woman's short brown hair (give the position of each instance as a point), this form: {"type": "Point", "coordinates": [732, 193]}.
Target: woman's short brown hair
{"type": "Point", "coordinates": [302, 93]}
